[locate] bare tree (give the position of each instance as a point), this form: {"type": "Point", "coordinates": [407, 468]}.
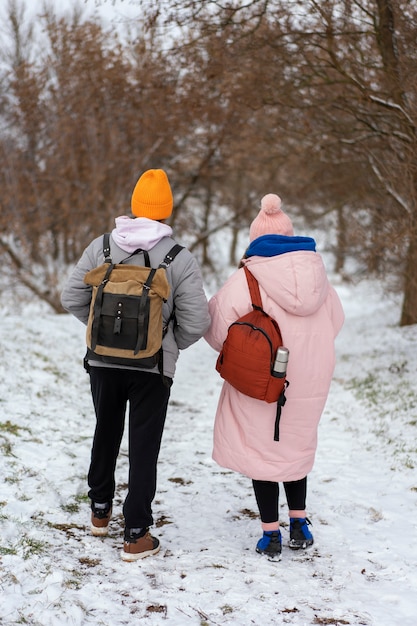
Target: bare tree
{"type": "Point", "coordinates": [360, 61]}
{"type": "Point", "coordinates": [347, 101]}
{"type": "Point", "coordinates": [80, 122]}
{"type": "Point", "coordinates": [314, 100]}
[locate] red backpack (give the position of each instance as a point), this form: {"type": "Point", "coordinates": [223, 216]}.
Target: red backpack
{"type": "Point", "coordinates": [247, 358]}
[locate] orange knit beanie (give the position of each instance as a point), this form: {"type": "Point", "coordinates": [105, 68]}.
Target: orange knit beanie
{"type": "Point", "coordinates": [152, 196]}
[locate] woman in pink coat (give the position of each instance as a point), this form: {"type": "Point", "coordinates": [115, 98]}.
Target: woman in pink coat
{"type": "Point", "coordinates": [296, 292]}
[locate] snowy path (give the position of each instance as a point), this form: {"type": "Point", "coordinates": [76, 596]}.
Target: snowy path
{"type": "Point", "coordinates": [363, 490]}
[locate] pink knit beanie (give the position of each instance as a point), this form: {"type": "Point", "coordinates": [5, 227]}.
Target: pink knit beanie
{"type": "Point", "coordinates": [271, 220]}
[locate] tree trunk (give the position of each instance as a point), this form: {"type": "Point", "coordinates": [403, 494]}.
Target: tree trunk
{"type": "Point", "coordinates": [388, 48]}
{"type": "Point", "coordinates": [341, 247]}
{"type": "Point", "coordinates": [409, 308]}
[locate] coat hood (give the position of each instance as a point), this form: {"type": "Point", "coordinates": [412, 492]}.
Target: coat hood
{"type": "Point", "coordinates": [296, 281]}
{"type": "Point", "coordinates": [140, 232]}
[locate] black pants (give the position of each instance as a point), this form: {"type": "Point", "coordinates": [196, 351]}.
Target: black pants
{"type": "Point", "coordinates": [267, 496]}
{"type": "Point", "coordinates": [112, 389]}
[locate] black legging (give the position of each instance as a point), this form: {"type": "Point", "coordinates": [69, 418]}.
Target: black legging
{"type": "Point", "coordinates": [267, 495]}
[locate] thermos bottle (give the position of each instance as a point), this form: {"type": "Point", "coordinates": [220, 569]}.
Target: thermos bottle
{"type": "Point", "coordinates": [279, 369]}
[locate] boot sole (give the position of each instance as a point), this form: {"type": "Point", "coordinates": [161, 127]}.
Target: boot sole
{"type": "Point", "coordinates": [99, 531]}
{"type": "Point", "coordinates": [131, 556]}
{"type": "Point", "coordinates": [300, 546]}
{"type": "Point", "coordinates": [270, 557]}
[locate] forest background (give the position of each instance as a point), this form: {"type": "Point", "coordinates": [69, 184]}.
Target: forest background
{"type": "Point", "coordinates": [313, 100]}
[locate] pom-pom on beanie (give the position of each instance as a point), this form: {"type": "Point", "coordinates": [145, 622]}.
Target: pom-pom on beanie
{"type": "Point", "coordinates": [152, 196]}
{"type": "Point", "coordinates": [271, 220]}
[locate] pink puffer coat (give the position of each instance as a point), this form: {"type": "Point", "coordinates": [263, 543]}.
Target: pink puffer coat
{"type": "Point", "coordinates": [296, 292]}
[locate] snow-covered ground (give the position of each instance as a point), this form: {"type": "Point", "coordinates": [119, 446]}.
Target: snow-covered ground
{"type": "Point", "coordinates": [362, 496]}
{"type": "Point", "coordinates": [362, 569]}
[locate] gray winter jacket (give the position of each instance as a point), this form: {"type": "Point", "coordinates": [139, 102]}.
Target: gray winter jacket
{"type": "Point", "coordinates": [187, 295]}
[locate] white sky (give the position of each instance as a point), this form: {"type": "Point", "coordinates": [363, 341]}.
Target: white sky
{"type": "Point", "coordinates": [110, 10]}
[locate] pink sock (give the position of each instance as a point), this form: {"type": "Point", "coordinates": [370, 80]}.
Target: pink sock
{"type": "Point", "coordinates": [297, 514]}
{"type": "Point", "coordinates": [270, 526]}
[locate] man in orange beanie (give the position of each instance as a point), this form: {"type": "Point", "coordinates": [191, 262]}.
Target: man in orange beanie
{"type": "Point", "coordinates": [146, 390]}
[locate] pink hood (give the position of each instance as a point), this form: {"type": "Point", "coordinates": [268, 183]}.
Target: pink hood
{"type": "Point", "coordinates": [296, 281]}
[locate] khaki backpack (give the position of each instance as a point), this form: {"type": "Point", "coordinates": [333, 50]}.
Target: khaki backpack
{"type": "Point", "coordinates": [125, 324]}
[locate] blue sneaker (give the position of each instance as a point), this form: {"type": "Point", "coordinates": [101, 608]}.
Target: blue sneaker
{"type": "Point", "coordinates": [300, 535]}
{"type": "Point", "coordinates": [270, 544]}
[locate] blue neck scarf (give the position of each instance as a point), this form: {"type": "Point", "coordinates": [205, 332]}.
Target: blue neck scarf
{"type": "Point", "coordinates": [273, 245]}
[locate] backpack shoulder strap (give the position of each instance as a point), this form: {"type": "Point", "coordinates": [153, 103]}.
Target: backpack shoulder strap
{"type": "Point", "coordinates": [255, 294]}
{"type": "Point", "coordinates": [106, 248]}
{"type": "Point", "coordinates": [107, 255]}
{"type": "Point", "coordinates": [142, 317]}
{"type": "Point", "coordinates": [170, 256]}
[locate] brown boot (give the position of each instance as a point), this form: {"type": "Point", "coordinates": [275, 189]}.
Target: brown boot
{"type": "Point", "coordinates": [137, 545]}
{"type": "Point", "coordinates": [100, 518]}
